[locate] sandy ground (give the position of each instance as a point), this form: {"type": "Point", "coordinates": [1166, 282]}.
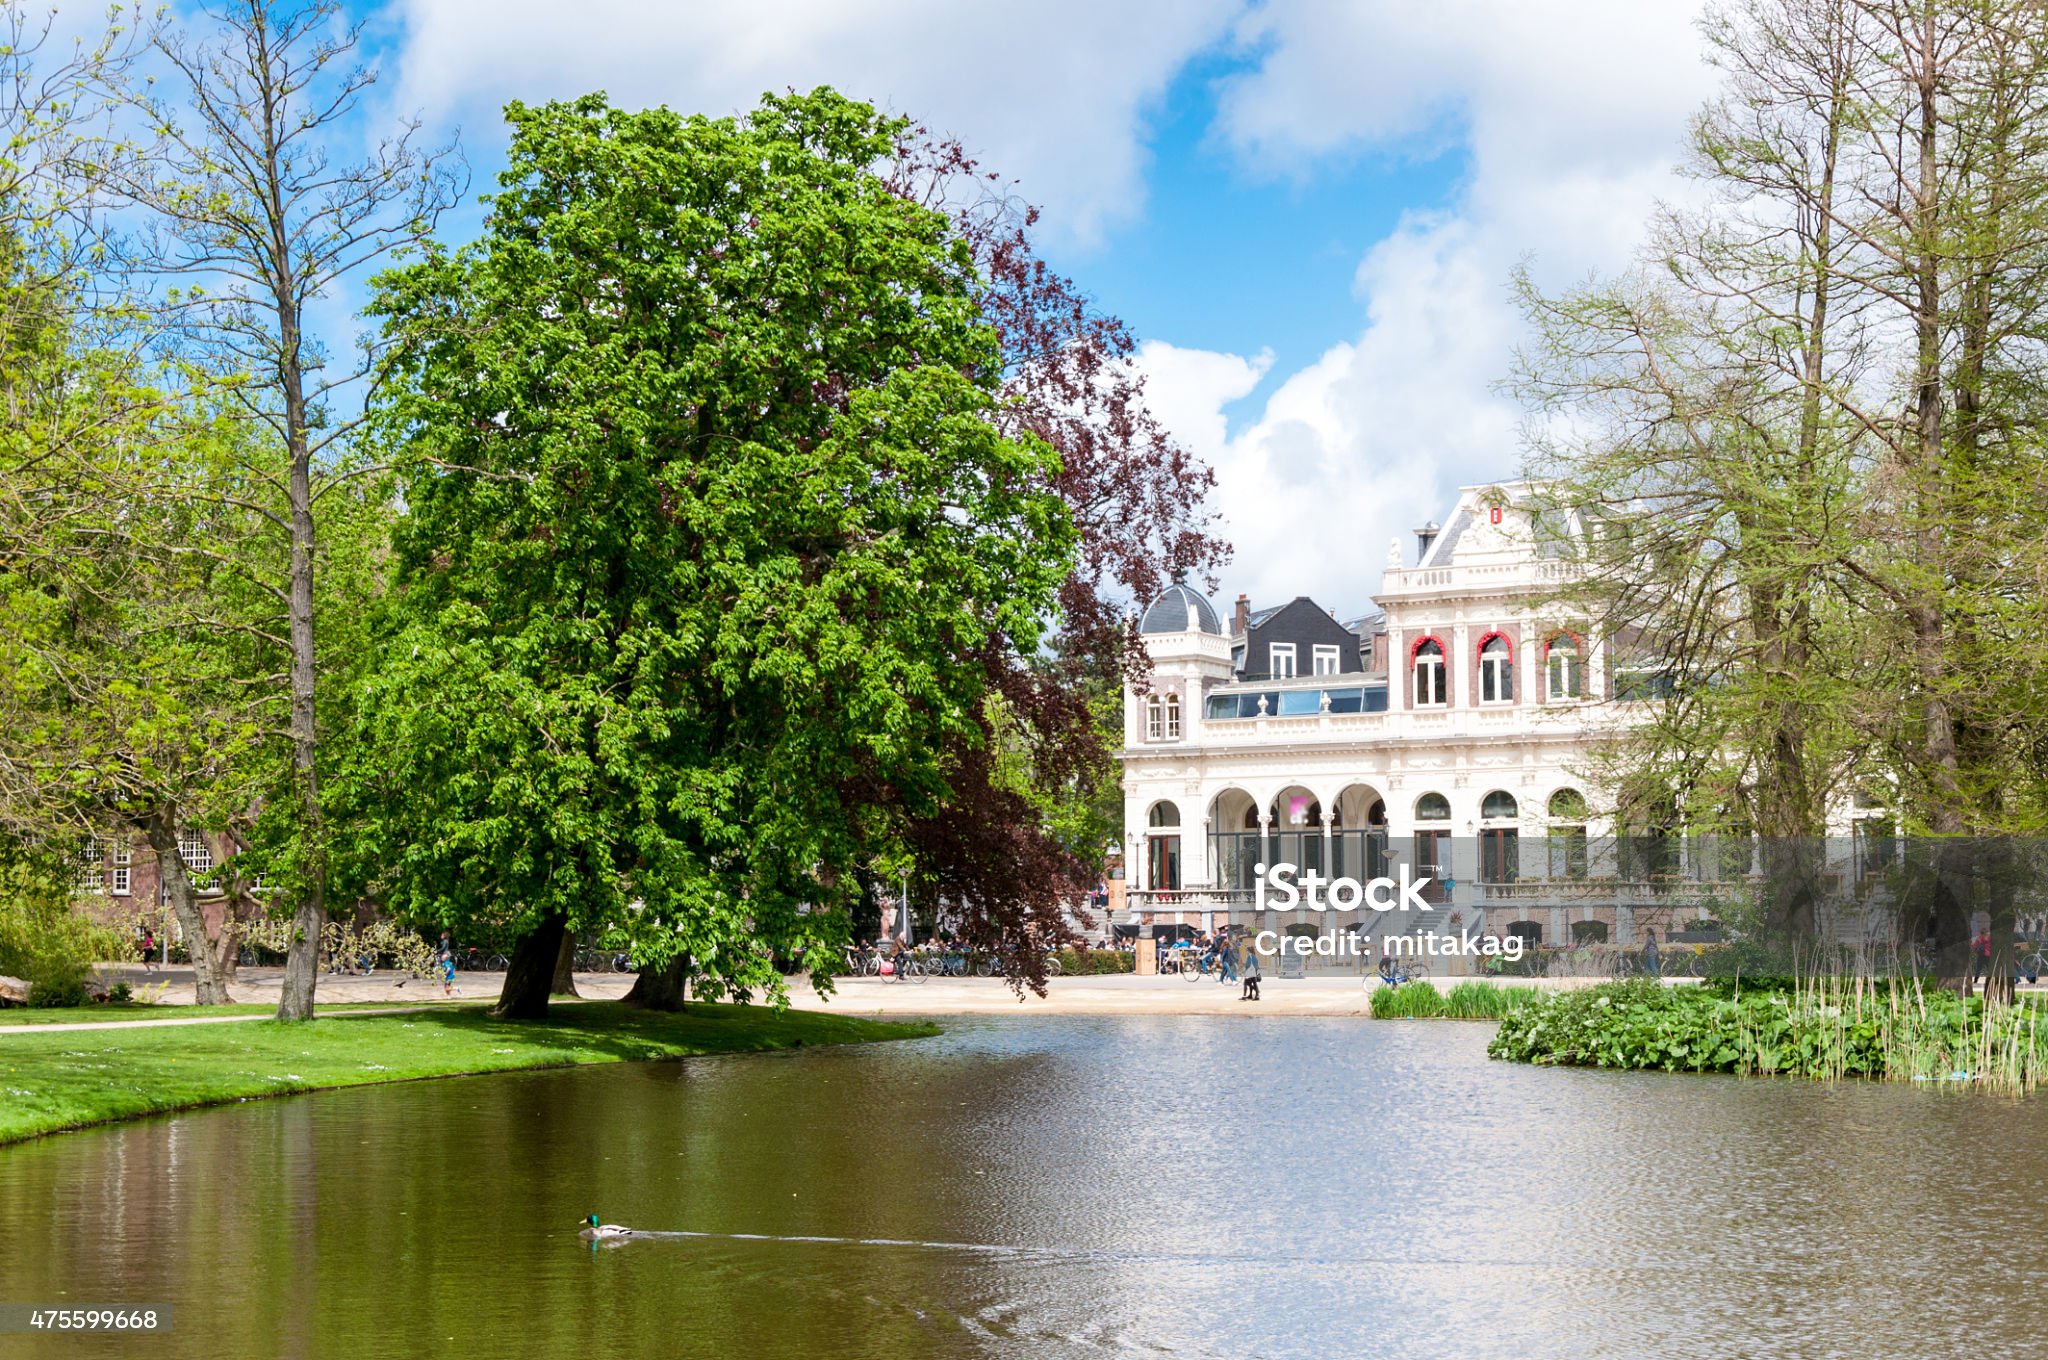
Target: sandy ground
{"type": "Point", "coordinates": [264, 985]}
{"type": "Point", "coordinates": [1122, 995]}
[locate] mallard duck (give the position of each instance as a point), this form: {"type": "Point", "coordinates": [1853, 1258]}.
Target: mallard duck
{"type": "Point", "coordinates": [594, 1231]}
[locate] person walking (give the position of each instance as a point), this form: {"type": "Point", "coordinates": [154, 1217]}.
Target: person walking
{"type": "Point", "coordinates": [1980, 957]}
{"type": "Point", "coordinates": [445, 956]}
{"type": "Point", "coordinates": [148, 950]}
{"type": "Point", "coordinates": [1650, 964]}
{"type": "Point", "coordinates": [1251, 976]}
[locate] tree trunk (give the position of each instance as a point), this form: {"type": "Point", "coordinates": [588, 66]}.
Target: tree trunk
{"type": "Point", "coordinates": [565, 968]}
{"type": "Point", "coordinates": [532, 970]}
{"type": "Point", "coordinates": [161, 827]}
{"type": "Point", "coordinates": [662, 989]}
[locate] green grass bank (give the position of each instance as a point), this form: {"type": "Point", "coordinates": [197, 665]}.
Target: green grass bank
{"type": "Point", "coordinates": [1889, 1030]}
{"type": "Point", "coordinates": [56, 1078]}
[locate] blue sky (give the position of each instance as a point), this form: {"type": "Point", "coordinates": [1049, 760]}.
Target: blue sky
{"type": "Point", "coordinates": [1308, 209]}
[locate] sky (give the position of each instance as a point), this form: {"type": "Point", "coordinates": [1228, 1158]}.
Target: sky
{"type": "Point", "coordinates": [1309, 210]}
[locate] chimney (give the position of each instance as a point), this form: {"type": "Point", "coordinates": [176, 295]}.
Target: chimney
{"type": "Point", "coordinates": [1425, 536]}
{"type": "Point", "coordinates": [1243, 617]}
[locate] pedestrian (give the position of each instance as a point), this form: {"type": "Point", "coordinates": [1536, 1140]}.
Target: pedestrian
{"type": "Point", "coordinates": [1980, 957]}
{"type": "Point", "coordinates": [1650, 967]}
{"type": "Point", "coordinates": [148, 950]}
{"type": "Point", "coordinates": [1251, 976]}
{"type": "Point", "coordinates": [446, 957]}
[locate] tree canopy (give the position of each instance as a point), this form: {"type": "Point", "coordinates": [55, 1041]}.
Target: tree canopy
{"type": "Point", "coordinates": [714, 542]}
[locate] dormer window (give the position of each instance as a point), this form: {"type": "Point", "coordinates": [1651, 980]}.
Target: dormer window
{"type": "Point", "coordinates": [1280, 660]}
{"type": "Point", "coordinates": [1496, 671]}
{"type": "Point", "coordinates": [1431, 687]}
{"type": "Point", "coordinates": [1328, 660]}
{"type": "Point", "coordinates": [1162, 717]}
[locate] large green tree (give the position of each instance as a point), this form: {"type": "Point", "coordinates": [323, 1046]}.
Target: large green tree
{"type": "Point", "coordinates": [713, 547]}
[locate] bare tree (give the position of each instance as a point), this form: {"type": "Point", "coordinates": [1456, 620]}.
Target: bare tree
{"type": "Point", "coordinates": [254, 218]}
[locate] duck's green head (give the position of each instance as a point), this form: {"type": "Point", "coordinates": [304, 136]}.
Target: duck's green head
{"type": "Point", "coordinates": [592, 1220]}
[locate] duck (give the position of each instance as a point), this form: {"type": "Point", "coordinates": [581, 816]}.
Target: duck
{"type": "Point", "coordinates": [594, 1231]}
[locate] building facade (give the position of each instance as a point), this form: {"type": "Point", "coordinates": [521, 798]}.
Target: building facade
{"type": "Point", "coordinates": [1451, 733]}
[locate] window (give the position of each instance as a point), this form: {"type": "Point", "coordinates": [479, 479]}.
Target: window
{"type": "Point", "coordinates": [1280, 659]}
{"type": "Point", "coordinates": [124, 874]}
{"type": "Point", "coordinates": [1328, 660]}
{"type": "Point", "coordinates": [1162, 848]}
{"type": "Point", "coordinates": [92, 875]}
{"type": "Point", "coordinates": [1432, 807]}
{"type": "Point", "coordinates": [1565, 667]}
{"type": "Point", "coordinates": [1875, 844]}
{"type": "Point", "coordinates": [193, 849]}
{"type": "Point", "coordinates": [1430, 688]}
{"type": "Point", "coordinates": [1499, 854]}
{"type": "Point", "coordinates": [1162, 717]}
{"type": "Point", "coordinates": [1499, 806]}
{"type": "Point", "coordinates": [1496, 671]}
{"type": "Point", "coordinates": [1567, 810]}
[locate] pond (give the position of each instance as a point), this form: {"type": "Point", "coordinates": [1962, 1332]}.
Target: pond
{"type": "Point", "coordinates": [1057, 1187]}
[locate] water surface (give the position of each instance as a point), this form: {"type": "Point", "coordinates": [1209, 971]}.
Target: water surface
{"type": "Point", "coordinates": [1064, 1186]}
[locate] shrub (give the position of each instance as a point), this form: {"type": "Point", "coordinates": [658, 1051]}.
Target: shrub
{"type": "Point", "coordinates": [1095, 962]}
{"type": "Point", "coordinates": [1485, 1001]}
{"type": "Point", "coordinates": [42, 940]}
{"type": "Point", "coordinates": [1826, 1027]}
{"type": "Point", "coordinates": [1409, 1001]}
{"type": "Point", "coordinates": [120, 994]}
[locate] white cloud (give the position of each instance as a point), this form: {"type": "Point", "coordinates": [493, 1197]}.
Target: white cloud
{"type": "Point", "coordinates": [1571, 117]}
{"type": "Point", "coordinates": [1055, 94]}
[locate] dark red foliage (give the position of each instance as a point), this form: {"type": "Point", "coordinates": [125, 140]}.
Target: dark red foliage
{"type": "Point", "coordinates": [1139, 501]}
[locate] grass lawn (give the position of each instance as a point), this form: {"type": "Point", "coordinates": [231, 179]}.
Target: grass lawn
{"type": "Point", "coordinates": [79, 1015]}
{"type": "Point", "coordinates": [53, 1079]}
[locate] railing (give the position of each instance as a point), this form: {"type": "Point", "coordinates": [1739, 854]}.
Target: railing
{"type": "Point", "coordinates": [1189, 899]}
{"type": "Point", "coordinates": [1623, 890]}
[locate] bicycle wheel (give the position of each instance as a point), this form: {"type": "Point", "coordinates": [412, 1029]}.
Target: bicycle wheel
{"type": "Point", "coordinates": [1416, 966]}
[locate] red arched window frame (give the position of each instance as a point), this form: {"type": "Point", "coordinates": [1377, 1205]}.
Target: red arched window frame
{"type": "Point", "coordinates": [1443, 661]}
{"type": "Point", "coordinates": [1507, 674]}
{"type": "Point", "coordinates": [1496, 633]}
{"type": "Point", "coordinates": [1578, 646]}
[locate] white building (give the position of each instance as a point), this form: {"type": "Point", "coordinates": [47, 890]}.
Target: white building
{"type": "Point", "coordinates": [1449, 732]}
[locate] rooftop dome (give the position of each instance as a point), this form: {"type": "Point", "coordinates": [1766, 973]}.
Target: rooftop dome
{"type": "Point", "coordinates": [1179, 610]}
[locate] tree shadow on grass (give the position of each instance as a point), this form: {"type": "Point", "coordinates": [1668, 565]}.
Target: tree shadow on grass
{"type": "Point", "coordinates": [628, 1034]}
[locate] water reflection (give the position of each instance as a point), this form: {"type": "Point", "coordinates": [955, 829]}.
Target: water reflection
{"type": "Point", "coordinates": [1186, 1186]}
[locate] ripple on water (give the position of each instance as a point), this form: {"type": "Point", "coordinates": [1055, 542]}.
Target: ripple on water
{"type": "Point", "coordinates": [1181, 1186]}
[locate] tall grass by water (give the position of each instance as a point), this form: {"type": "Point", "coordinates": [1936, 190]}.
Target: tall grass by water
{"type": "Point", "coordinates": [1826, 1027]}
{"type": "Point", "coordinates": [1466, 1001]}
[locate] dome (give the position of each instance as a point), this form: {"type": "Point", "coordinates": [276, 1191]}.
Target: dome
{"type": "Point", "coordinates": [1179, 610]}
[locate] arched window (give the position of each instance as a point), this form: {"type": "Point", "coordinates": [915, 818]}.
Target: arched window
{"type": "Point", "coordinates": [1568, 859]}
{"type": "Point", "coordinates": [1499, 806]}
{"type": "Point", "coordinates": [1431, 683]}
{"type": "Point", "coordinates": [1496, 670]}
{"type": "Point", "coordinates": [1162, 717]}
{"type": "Point", "coordinates": [1162, 848]}
{"type": "Point", "coordinates": [1432, 807]}
{"type": "Point", "coordinates": [1565, 665]}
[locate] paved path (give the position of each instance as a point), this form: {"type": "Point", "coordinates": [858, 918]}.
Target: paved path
{"type": "Point", "coordinates": [1113, 995]}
